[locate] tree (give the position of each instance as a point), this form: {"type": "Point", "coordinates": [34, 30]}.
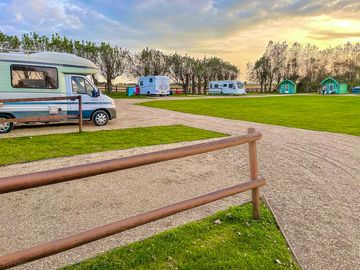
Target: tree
{"type": "Point", "coordinates": [8, 43]}
{"type": "Point", "coordinates": [276, 53]}
{"type": "Point", "coordinates": [112, 61]}
{"type": "Point", "coordinates": [149, 62]}
{"type": "Point", "coordinates": [261, 72]}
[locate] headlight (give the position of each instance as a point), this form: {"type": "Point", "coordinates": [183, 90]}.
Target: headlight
{"type": "Point", "coordinates": [113, 103]}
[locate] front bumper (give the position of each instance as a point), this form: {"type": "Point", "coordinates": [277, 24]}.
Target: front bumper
{"type": "Point", "coordinates": [112, 112]}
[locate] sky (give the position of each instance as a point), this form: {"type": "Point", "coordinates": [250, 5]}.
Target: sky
{"type": "Point", "coordinates": [236, 31]}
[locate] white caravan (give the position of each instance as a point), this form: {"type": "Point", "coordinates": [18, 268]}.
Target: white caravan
{"type": "Point", "coordinates": [154, 85]}
{"type": "Point", "coordinates": [50, 74]}
{"type": "Point", "coordinates": [227, 87]}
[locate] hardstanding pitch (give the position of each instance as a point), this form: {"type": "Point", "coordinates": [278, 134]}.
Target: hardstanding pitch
{"type": "Point", "coordinates": [313, 182]}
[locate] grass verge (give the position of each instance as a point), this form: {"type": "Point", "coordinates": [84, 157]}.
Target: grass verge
{"type": "Point", "coordinates": [25, 149]}
{"type": "Point", "coordinates": [239, 242]}
{"type": "Point", "coordinates": [340, 114]}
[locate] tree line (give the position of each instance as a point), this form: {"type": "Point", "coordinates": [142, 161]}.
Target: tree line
{"type": "Point", "coordinates": [306, 65]}
{"type": "Point", "coordinates": [113, 61]}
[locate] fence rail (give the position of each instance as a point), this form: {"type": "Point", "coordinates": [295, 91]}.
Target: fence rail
{"type": "Point", "coordinates": [50, 118]}
{"type": "Point", "coordinates": [115, 88]}
{"type": "Point", "coordinates": [15, 183]}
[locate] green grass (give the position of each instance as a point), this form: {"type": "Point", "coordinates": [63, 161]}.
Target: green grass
{"type": "Point", "coordinates": [239, 242]}
{"type": "Point", "coordinates": [24, 149]}
{"type": "Point", "coordinates": [340, 114]}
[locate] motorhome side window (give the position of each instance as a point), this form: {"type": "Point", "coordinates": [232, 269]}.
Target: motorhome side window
{"type": "Point", "coordinates": [23, 76]}
{"type": "Point", "coordinates": [81, 86]}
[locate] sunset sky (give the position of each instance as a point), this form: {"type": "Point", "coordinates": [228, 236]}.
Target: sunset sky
{"type": "Point", "coordinates": [238, 31]}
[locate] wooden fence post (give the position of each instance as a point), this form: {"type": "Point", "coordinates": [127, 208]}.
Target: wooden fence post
{"type": "Point", "coordinates": [80, 113]}
{"type": "Point", "coordinates": [254, 175]}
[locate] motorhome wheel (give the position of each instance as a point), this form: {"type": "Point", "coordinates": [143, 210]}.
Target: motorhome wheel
{"type": "Point", "coordinates": [100, 118]}
{"type": "Point", "coordinates": [5, 127]}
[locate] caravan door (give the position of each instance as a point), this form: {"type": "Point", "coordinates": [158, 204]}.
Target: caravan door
{"type": "Point", "coordinates": [91, 100]}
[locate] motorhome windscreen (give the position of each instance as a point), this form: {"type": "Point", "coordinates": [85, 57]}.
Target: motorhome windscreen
{"type": "Point", "coordinates": [240, 85]}
{"type": "Point", "coordinates": [24, 76]}
{"type": "Point", "coordinates": [81, 86]}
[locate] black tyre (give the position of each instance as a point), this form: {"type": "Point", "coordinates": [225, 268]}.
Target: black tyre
{"type": "Point", "coordinates": [100, 118]}
{"type": "Point", "coordinates": [5, 127]}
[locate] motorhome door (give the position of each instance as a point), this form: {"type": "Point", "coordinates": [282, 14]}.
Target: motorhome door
{"type": "Point", "coordinates": [80, 85]}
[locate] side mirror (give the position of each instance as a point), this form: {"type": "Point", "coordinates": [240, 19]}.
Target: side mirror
{"type": "Point", "coordinates": [95, 93]}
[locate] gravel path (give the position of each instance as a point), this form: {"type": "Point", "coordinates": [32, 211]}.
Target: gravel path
{"type": "Point", "coordinates": [313, 182]}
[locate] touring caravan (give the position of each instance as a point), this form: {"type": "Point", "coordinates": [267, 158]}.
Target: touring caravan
{"type": "Point", "coordinates": [227, 87]}
{"type": "Point", "coordinates": [50, 74]}
{"type": "Point", "coordinates": [154, 85]}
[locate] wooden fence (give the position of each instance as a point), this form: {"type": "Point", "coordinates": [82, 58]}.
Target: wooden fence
{"type": "Point", "coordinates": [26, 181]}
{"type": "Point", "coordinates": [115, 88]}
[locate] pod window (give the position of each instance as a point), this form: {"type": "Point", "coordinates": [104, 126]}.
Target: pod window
{"type": "Point", "coordinates": [24, 76]}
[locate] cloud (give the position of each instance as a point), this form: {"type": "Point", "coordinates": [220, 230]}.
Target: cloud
{"type": "Point", "coordinates": [65, 17]}
{"type": "Point", "coordinates": [330, 35]}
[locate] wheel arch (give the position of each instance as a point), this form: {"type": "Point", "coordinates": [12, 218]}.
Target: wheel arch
{"type": "Point", "coordinates": [7, 114]}
{"type": "Point", "coordinates": [100, 109]}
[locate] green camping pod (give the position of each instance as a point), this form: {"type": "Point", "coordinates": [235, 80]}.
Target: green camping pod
{"type": "Point", "coordinates": [332, 86]}
{"type": "Point", "coordinates": [287, 87]}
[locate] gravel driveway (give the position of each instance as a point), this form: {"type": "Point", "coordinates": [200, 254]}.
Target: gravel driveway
{"type": "Point", "coordinates": [313, 182]}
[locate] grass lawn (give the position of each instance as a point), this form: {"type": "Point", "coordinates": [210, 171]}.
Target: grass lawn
{"type": "Point", "coordinates": [239, 242]}
{"type": "Point", "coordinates": [340, 114]}
{"type": "Point", "coordinates": [24, 149]}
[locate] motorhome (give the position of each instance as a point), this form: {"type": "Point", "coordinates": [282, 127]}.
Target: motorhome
{"type": "Point", "coordinates": [154, 85]}
{"type": "Point", "coordinates": [50, 74]}
{"type": "Point", "coordinates": [227, 87]}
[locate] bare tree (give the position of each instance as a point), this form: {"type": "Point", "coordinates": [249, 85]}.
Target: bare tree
{"type": "Point", "coordinates": [113, 62]}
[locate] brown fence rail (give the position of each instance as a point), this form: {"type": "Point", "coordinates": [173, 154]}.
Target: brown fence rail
{"type": "Point", "coordinates": [50, 118]}
{"type": "Point", "coordinates": [115, 88]}
{"type": "Point", "coordinates": [15, 183]}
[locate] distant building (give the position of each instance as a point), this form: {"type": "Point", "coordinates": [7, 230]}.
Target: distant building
{"type": "Point", "coordinates": [287, 87]}
{"type": "Point", "coordinates": [332, 86]}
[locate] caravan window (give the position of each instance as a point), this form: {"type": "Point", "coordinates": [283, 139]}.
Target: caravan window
{"type": "Point", "coordinates": [225, 85]}
{"type": "Point", "coordinates": [23, 76]}
{"type": "Point", "coordinates": [231, 86]}
{"type": "Point", "coordinates": [216, 86]}
{"type": "Point", "coordinates": [141, 83]}
{"type": "Point", "coordinates": [211, 86]}
{"type": "Point", "coordinates": [240, 85]}
{"type": "Point", "coordinates": [81, 86]}
{"type": "Point", "coordinates": [151, 80]}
